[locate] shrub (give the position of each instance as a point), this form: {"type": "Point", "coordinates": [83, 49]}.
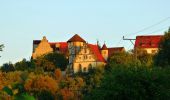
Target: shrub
{"type": "Point", "coordinates": [133, 83]}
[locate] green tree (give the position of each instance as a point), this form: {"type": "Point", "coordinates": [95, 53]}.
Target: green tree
{"type": "Point", "coordinates": [7, 67]}
{"type": "Point", "coordinates": [59, 60]}
{"type": "Point", "coordinates": [124, 58]}
{"type": "Point", "coordinates": [145, 59]}
{"type": "Point", "coordinates": [162, 58]}
{"type": "Point", "coordinates": [133, 83]}
{"type": "Point", "coordinates": [24, 65]}
{"type": "Point", "coordinates": [45, 64]}
{"type": "Point", "coordinates": [1, 47]}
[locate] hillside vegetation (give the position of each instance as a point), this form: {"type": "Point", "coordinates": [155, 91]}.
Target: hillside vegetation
{"type": "Point", "coordinates": [123, 78]}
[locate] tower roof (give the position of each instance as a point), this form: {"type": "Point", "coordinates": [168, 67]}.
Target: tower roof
{"type": "Point", "coordinates": [76, 38]}
{"type": "Point", "coordinates": [104, 47]}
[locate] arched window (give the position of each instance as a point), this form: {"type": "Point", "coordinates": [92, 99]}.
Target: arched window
{"type": "Point", "coordinates": [90, 66]}
{"type": "Point", "coordinates": [84, 69]}
{"type": "Point", "coordinates": [80, 68]}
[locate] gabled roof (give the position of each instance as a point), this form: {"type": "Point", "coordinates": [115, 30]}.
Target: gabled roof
{"type": "Point", "coordinates": [76, 38]}
{"type": "Point", "coordinates": [96, 51]}
{"type": "Point", "coordinates": [63, 45]}
{"type": "Point", "coordinates": [104, 47]}
{"type": "Point", "coordinates": [111, 51]}
{"type": "Point", "coordinates": [150, 41]}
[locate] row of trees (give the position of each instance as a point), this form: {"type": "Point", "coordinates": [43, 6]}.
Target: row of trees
{"type": "Point", "coordinates": [45, 63]}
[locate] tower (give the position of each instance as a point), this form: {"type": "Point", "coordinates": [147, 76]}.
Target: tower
{"type": "Point", "coordinates": [74, 46]}
{"type": "Point", "coordinates": [105, 52]}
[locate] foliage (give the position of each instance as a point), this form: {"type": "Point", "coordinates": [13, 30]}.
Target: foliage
{"type": "Point", "coordinates": [1, 47]}
{"type": "Point", "coordinates": [8, 90]}
{"type": "Point", "coordinates": [38, 83]}
{"type": "Point", "coordinates": [145, 59]}
{"type": "Point", "coordinates": [7, 67]}
{"type": "Point", "coordinates": [92, 79]}
{"type": "Point", "coordinates": [24, 65]}
{"type": "Point", "coordinates": [133, 83]}
{"type": "Point", "coordinates": [45, 95]}
{"type": "Point", "coordinates": [45, 64]}
{"type": "Point", "coordinates": [124, 58]}
{"type": "Point", "coordinates": [162, 58]}
{"type": "Point", "coordinates": [10, 78]}
{"type": "Point", "coordinates": [58, 59]}
{"type": "Point", "coordinates": [58, 74]}
{"type": "Point", "coordinates": [23, 96]}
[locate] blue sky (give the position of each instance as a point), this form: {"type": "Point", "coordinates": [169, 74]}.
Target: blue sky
{"type": "Point", "coordinates": [22, 21]}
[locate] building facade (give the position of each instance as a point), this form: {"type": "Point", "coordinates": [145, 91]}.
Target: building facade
{"type": "Point", "coordinates": [148, 44]}
{"type": "Point", "coordinates": [81, 55]}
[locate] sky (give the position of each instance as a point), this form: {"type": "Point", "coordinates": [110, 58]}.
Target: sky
{"type": "Point", "coordinates": [22, 21]}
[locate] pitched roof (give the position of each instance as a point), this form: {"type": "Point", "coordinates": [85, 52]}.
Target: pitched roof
{"type": "Point", "coordinates": [104, 47]}
{"type": "Point", "coordinates": [96, 51]}
{"type": "Point", "coordinates": [111, 51]}
{"type": "Point", "coordinates": [76, 38]}
{"type": "Point", "coordinates": [150, 41]}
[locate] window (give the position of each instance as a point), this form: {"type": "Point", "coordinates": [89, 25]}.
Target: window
{"type": "Point", "coordinates": [80, 68]}
{"type": "Point", "coordinates": [89, 67]}
{"type": "Point", "coordinates": [85, 50]}
{"type": "Point", "coordinates": [89, 57]}
{"type": "Point", "coordinates": [85, 56]}
{"type": "Point", "coordinates": [84, 69]}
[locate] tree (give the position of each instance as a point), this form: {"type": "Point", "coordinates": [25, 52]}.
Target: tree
{"type": "Point", "coordinates": [162, 58]}
{"type": "Point", "coordinates": [45, 64]}
{"type": "Point", "coordinates": [24, 65]}
{"type": "Point", "coordinates": [133, 83]}
{"type": "Point", "coordinates": [58, 59]}
{"type": "Point", "coordinates": [1, 47]}
{"type": "Point", "coordinates": [124, 58]}
{"type": "Point", "coordinates": [39, 83]}
{"type": "Point", "coordinates": [7, 67]}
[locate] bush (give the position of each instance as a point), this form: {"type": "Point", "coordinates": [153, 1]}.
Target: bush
{"type": "Point", "coordinates": [130, 83]}
{"type": "Point", "coordinates": [7, 67]}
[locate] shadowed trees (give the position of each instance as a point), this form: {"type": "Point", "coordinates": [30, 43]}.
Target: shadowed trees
{"type": "Point", "coordinates": [162, 59]}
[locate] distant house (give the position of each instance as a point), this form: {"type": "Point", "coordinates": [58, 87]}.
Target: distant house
{"type": "Point", "coordinates": [82, 55]}
{"type": "Point", "coordinates": [148, 44]}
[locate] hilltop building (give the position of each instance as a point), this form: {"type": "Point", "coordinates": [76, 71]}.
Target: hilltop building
{"type": "Point", "coordinates": [81, 54]}
{"type": "Point", "coordinates": [148, 44]}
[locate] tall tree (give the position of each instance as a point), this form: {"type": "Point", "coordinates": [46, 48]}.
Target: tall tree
{"type": "Point", "coordinates": [162, 58]}
{"type": "Point", "coordinates": [59, 60]}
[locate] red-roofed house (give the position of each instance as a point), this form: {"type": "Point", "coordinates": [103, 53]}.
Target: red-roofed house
{"type": "Point", "coordinates": [81, 55]}
{"type": "Point", "coordinates": [148, 44]}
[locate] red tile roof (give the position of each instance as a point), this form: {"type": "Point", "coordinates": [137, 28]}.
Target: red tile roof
{"type": "Point", "coordinates": [111, 51]}
{"type": "Point", "coordinates": [104, 47]}
{"type": "Point", "coordinates": [150, 41]}
{"type": "Point", "coordinates": [76, 38]}
{"type": "Point", "coordinates": [63, 46]}
{"type": "Point", "coordinates": [96, 51]}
